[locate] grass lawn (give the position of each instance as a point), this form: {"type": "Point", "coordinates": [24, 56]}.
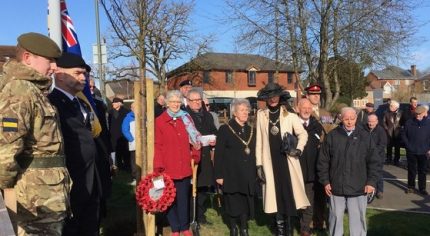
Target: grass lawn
{"type": "Point", "coordinates": [121, 219]}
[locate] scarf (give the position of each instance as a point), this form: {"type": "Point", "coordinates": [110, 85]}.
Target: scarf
{"type": "Point", "coordinates": [189, 125]}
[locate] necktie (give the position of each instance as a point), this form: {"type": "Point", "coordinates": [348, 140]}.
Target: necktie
{"type": "Point", "coordinates": [78, 108]}
{"type": "Point", "coordinates": [305, 124]}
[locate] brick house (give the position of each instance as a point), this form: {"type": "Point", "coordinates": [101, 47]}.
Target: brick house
{"type": "Point", "coordinates": [391, 82]}
{"type": "Point", "coordinates": [232, 75]}
{"type": "Point", "coordinates": [393, 79]}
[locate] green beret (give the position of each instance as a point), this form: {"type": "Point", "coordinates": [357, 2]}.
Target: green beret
{"type": "Point", "coordinates": [39, 44]}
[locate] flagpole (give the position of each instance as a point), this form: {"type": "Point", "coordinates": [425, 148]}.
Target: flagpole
{"type": "Point", "coordinates": [99, 54]}
{"type": "Point", "coordinates": [54, 21]}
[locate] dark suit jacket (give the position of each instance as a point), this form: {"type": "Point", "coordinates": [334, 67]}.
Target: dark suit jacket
{"type": "Point", "coordinates": [79, 146]}
{"type": "Point", "coordinates": [309, 157]}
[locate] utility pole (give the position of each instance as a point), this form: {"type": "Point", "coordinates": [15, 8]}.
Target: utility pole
{"type": "Point", "coordinates": [99, 52]}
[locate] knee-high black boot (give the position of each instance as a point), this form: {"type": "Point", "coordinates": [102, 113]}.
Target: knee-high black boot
{"type": "Point", "coordinates": [244, 225]}
{"type": "Point", "coordinates": [280, 225]}
{"type": "Point", "coordinates": [232, 225]}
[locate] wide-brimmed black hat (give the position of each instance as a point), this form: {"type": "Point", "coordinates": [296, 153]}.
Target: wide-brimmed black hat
{"type": "Point", "coordinates": [269, 91]}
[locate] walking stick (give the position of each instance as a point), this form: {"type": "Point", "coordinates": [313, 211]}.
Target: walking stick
{"type": "Point", "coordinates": [194, 225]}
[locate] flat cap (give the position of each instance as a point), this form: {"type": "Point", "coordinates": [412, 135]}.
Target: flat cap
{"type": "Point", "coordinates": [313, 89]}
{"type": "Point", "coordinates": [71, 60]}
{"type": "Point", "coordinates": [39, 44]}
{"type": "Point", "coordinates": [420, 109]}
{"type": "Point", "coordinates": [369, 104]}
{"type": "Point", "coordinates": [116, 99]}
{"type": "Point", "coordinates": [186, 82]}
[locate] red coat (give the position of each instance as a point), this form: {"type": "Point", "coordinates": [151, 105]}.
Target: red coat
{"type": "Point", "coordinates": [173, 151]}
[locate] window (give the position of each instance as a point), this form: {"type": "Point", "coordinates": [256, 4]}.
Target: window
{"type": "Point", "coordinates": [252, 74]}
{"type": "Point", "coordinates": [206, 77]}
{"type": "Point", "coordinates": [229, 77]}
{"type": "Point", "coordinates": [270, 77]}
{"type": "Point", "coordinates": [397, 82]}
{"type": "Point", "coordinates": [290, 77]}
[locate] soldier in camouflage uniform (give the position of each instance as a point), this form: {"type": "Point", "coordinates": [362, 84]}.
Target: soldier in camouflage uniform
{"type": "Point", "coordinates": [31, 149]}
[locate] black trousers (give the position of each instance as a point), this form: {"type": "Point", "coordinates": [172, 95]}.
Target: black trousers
{"type": "Point", "coordinates": [315, 212]}
{"type": "Point", "coordinates": [417, 163]}
{"type": "Point", "coordinates": [122, 155]}
{"type": "Point", "coordinates": [393, 143]}
{"type": "Point", "coordinates": [86, 217]}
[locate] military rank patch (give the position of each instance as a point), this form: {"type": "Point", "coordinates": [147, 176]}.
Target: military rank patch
{"type": "Point", "coordinates": [10, 124]}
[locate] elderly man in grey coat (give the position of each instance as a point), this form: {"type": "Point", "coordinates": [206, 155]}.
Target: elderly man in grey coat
{"type": "Point", "coordinates": [348, 169]}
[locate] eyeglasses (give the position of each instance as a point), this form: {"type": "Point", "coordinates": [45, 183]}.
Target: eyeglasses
{"type": "Point", "coordinates": [176, 102]}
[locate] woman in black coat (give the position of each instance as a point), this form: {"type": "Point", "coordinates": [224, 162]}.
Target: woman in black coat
{"type": "Point", "coordinates": [235, 167]}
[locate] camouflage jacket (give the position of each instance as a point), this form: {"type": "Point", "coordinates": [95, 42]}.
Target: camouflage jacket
{"type": "Point", "coordinates": [29, 131]}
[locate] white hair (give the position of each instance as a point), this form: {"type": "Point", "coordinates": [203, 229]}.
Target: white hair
{"type": "Point", "coordinates": [394, 103]}
{"type": "Point", "coordinates": [239, 101]}
{"type": "Point", "coordinates": [347, 109]}
{"type": "Point", "coordinates": [173, 93]}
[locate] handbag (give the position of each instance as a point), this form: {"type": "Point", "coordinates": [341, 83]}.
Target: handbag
{"type": "Point", "coordinates": [289, 142]}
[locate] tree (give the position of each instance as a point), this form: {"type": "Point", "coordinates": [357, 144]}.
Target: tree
{"type": "Point", "coordinates": [366, 32]}
{"type": "Point", "coordinates": [167, 34]}
{"type": "Point", "coordinates": [351, 79]}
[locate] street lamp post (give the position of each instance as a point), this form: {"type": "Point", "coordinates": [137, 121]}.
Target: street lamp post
{"type": "Point", "coordinates": [99, 53]}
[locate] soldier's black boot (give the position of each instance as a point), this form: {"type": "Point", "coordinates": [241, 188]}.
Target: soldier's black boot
{"type": "Point", "coordinates": [244, 225]}
{"type": "Point", "coordinates": [232, 225]}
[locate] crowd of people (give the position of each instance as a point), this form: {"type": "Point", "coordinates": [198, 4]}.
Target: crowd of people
{"type": "Point", "coordinates": [58, 150]}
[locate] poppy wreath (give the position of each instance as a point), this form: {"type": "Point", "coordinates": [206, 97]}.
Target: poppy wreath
{"type": "Point", "coordinates": [161, 204]}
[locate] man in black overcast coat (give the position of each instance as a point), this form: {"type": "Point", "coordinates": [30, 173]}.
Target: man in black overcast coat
{"type": "Point", "coordinates": [204, 123]}
{"type": "Point", "coordinates": [79, 146]}
{"type": "Point", "coordinates": [308, 162]}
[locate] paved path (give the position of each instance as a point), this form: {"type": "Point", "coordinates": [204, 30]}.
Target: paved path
{"type": "Point", "coordinates": [395, 198]}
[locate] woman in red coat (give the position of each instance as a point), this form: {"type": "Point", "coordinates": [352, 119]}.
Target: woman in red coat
{"type": "Point", "coordinates": [176, 143]}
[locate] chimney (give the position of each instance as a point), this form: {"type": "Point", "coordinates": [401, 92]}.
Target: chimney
{"type": "Point", "coordinates": [414, 70]}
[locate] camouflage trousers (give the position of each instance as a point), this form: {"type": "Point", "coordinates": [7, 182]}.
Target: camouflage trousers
{"type": "Point", "coordinates": [42, 201]}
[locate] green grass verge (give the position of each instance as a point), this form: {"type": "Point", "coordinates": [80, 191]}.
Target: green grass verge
{"type": "Point", "coordinates": [121, 219]}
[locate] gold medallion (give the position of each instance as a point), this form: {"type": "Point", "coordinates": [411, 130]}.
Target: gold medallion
{"type": "Point", "coordinates": [274, 130]}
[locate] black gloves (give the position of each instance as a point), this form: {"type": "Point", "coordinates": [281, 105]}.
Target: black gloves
{"type": "Point", "coordinates": [295, 152]}
{"type": "Point", "coordinates": [260, 174]}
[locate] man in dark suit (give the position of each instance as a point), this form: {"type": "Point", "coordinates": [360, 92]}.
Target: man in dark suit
{"type": "Point", "coordinates": [79, 145]}
{"type": "Point", "coordinates": [119, 142]}
{"type": "Point", "coordinates": [308, 162]}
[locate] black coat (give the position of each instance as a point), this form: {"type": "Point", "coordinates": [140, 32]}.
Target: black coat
{"type": "Point", "coordinates": [391, 123]}
{"type": "Point", "coordinates": [232, 163]}
{"type": "Point", "coordinates": [309, 157]}
{"type": "Point", "coordinates": [348, 163]}
{"type": "Point", "coordinates": [205, 125]}
{"type": "Point", "coordinates": [79, 147]}
{"type": "Point", "coordinates": [115, 123]}
{"type": "Point", "coordinates": [379, 137]}
{"type": "Point", "coordinates": [416, 136]}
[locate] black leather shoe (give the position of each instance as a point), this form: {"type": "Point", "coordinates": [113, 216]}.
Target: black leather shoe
{"type": "Point", "coordinates": [280, 227]}
{"type": "Point", "coordinates": [233, 230]}
{"type": "Point", "coordinates": [244, 232]}
{"type": "Point", "coordinates": [424, 192]}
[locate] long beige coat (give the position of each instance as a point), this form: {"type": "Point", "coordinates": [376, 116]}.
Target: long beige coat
{"type": "Point", "coordinates": [289, 122]}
